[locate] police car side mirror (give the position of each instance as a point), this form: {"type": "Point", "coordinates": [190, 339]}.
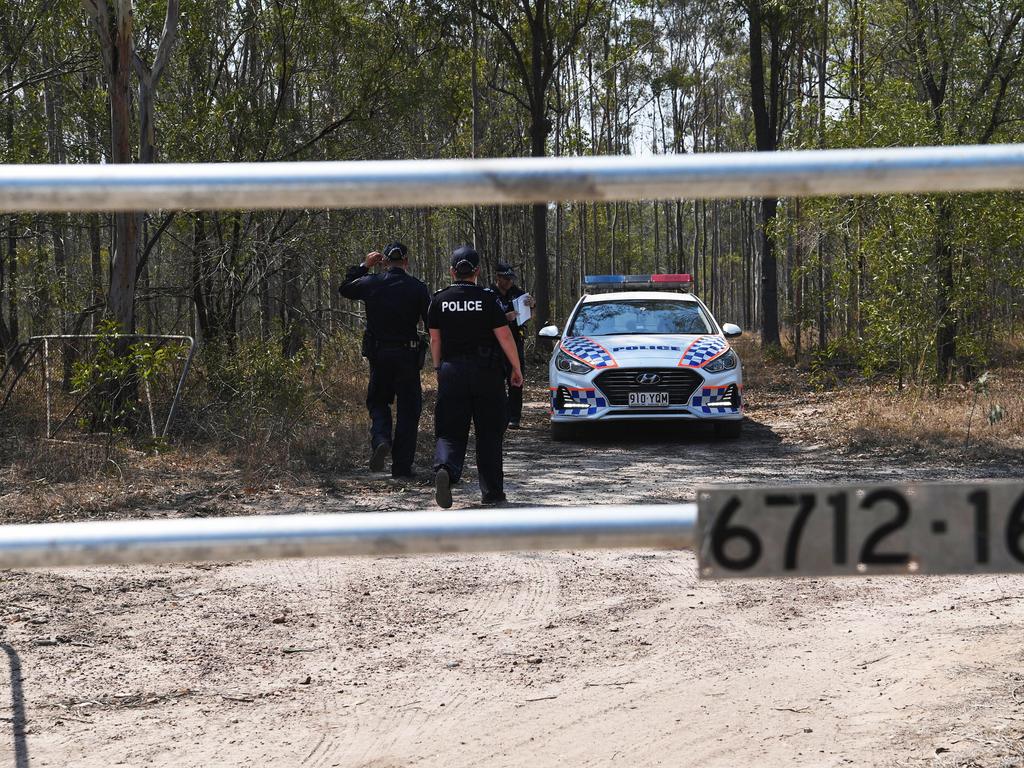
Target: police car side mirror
{"type": "Point", "coordinates": [731, 331]}
{"type": "Point", "coordinates": [548, 332]}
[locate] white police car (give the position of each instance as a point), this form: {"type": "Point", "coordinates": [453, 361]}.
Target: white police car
{"type": "Point", "coordinates": [643, 347]}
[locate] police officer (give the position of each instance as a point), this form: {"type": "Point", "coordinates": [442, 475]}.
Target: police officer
{"type": "Point", "coordinates": [507, 292]}
{"type": "Point", "coordinates": [395, 304]}
{"type": "Point", "coordinates": [469, 342]}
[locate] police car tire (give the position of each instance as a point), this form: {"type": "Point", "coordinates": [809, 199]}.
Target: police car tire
{"type": "Point", "coordinates": [562, 432]}
{"type": "Point", "coordinates": [728, 430]}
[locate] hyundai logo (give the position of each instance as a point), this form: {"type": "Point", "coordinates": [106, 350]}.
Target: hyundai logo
{"type": "Point", "coordinates": [648, 378]}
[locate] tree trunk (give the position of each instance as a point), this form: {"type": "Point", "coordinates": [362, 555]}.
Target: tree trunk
{"type": "Point", "coordinates": [12, 278]}
{"type": "Point", "coordinates": [10, 281]}
{"type": "Point", "coordinates": [121, 298]}
{"type": "Point", "coordinates": [946, 331]}
{"type": "Point", "coordinates": [822, 64]}
{"type": "Point", "coordinates": [765, 111]}
{"type": "Point", "coordinates": [202, 314]}
{"type": "Point", "coordinates": [291, 289]}
{"type": "Point", "coordinates": [478, 240]}
{"type": "Point", "coordinates": [538, 148]}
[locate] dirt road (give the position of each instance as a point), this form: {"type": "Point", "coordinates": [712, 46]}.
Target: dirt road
{"type": "Point", "coordinates": [594, 658]}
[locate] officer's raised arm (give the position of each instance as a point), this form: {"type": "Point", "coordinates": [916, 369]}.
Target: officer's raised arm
{"type": "Point", "coordinates": [351, 287]}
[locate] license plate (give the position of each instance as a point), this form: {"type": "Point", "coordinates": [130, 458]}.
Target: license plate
{"type": "Point", "coordinates": [645, 399]}
{"type": "Point", "coordinates": [861, 530]}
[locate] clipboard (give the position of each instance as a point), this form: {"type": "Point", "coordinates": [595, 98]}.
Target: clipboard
{"type": "Point", "coordinates": [522, 308]}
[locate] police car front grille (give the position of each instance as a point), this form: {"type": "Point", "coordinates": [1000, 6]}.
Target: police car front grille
{"type": "Point", "coordinates": [619, 382]}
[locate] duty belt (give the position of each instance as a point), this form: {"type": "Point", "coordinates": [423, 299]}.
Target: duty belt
{"type": "Point", "coordinates": [398, 344]}
{"type": "Point", "coordinates": [481, 354]}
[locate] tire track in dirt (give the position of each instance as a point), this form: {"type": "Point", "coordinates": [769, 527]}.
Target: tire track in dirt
{"type": "Point", "coordinates": [363, 735]}
{"type": "Point", "coordinates": [377, 731]}
{"type": "Point", "coordinates": [612, 694]}
{"type": "Point", "coordinates": [538, 591]}
{"type": "Point", "coordinates": [636, 660]}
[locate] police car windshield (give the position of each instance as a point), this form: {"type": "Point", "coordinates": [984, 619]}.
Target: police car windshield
{"type": "Point", "coordinates": [649, 316]}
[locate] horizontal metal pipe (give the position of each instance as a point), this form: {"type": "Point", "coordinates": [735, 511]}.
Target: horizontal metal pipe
{"type": "Point", "coordinates": [383, 533]}
{"type": "Point", "coordinates": [71, 336]}
{"type": "Point", "coordinates": [369, 184]}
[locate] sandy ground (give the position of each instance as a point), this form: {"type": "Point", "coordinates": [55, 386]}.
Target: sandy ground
{"type": "Point", "coordinates": [569, 658]}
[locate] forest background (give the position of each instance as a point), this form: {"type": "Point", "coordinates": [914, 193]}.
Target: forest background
{"type": "Point", "coordinates": [923, 288]}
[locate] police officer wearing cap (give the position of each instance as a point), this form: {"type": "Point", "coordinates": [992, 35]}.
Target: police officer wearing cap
{"type": "Point", "coordinates": [396, 302]}
{"type": "Point", "coordinates": [469, 343]}
{"type": "Point", "coordinates": [507, 292]}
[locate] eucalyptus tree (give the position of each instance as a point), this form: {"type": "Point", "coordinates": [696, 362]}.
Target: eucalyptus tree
{"type": "Point", "coordinates": [775, 29]}
{"type": "Point", "coordinates": [45, 54]}
{"type": "Point", "coordinates": [115, 30]}
{"type": "Point", "coordinates": [966, 61]}
{"type": "Point", "coordinates": [536, 36]}
{"type": "Point", "coordinates": [257, 80]}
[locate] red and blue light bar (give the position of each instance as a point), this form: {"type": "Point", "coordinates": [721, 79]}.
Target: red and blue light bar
{"type": "Point", "coordinates": [621, 282]}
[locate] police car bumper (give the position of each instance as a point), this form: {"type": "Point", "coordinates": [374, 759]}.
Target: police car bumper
{"type": "Point", "coordinates": [582, 398]}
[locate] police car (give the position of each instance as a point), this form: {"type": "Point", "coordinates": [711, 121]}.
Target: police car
{"type": "Point", "coordinates": [643, 348]}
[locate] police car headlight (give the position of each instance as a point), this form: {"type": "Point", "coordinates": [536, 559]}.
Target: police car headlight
{"type": "Point", "coordinates": [724, 363]}
{"type": "Point", "coordinates": [570, 364]}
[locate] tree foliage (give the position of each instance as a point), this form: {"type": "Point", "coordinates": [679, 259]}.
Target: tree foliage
{"type": "Point", "coordinates": [921, 286]}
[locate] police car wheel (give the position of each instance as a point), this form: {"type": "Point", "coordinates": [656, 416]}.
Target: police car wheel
{"type": "Point", "coordinates": [561, 432]}
{"type": "Point", "coordinates": [728, 430]}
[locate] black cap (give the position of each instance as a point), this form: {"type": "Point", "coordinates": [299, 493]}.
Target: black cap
{"type": "Point", "coordinates": [465, 259]}
{"type": "Point", "coordinates": [505, 270]}
{"type": "Point", "coordinates": [395, 251]}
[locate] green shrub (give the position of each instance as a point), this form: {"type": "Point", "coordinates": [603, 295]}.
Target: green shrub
{"type": "Point", "coordinates": [256, 378]}
{"type": "Point", "coordinates": [108, 381]}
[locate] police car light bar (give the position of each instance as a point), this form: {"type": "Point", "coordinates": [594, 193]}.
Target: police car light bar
{"type": "Point", "coordinates": [635, 282]}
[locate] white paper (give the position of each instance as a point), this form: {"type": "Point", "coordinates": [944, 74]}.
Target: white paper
{"type": "Point", "coordinates": [522, 308]}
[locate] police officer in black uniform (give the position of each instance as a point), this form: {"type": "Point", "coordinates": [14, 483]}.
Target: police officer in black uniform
{"type": "Point", "coordinates": [469, 343]}
{"type": "Point", "coordinates": [396, 302]}
{"type": "Point", "coordinates": [507, 291]}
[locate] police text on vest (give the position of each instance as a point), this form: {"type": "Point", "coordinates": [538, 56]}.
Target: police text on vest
{"type": "Point", "coordinates": [462, 306]}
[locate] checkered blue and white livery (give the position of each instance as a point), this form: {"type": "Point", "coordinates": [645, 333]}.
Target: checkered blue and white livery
{"type": "Point", "coordinates": [588, 351]}
{"type": "Point", "coordinates": [702, 351]}
{"type": "Point", "coordinates": [593, 400]}
{"type": "Point", "coordinates": [705, 395]}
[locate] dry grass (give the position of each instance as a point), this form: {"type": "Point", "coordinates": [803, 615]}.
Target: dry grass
{"type": "Point", "coordinates": [229, 446]}
{"type": "Point", "coordinates": [226, 448]}
{"type": "Point", "coordinates": [227, 453]}
{"type": "Point", "coordinates": [861, 414]}
{"type": "Point", "coordinates": [86, 483]}
{"type": "Point", "coordinates": [953, 423]}
{"type": "Point", "coordinates": [768, 375]}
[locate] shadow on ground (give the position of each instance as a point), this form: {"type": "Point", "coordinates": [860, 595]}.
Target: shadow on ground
{"type": "Point", "coordinates": [17, 708]}
{"type": "Point", "coordinates": [638, 462]}
{"type": "Point", "coordinates": [676, 433]}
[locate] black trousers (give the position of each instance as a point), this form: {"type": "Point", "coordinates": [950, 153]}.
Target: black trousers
{"type": "Point", "coordinates": [468, 392]}
{"type": "Point", "coordinates": [515, 394]}
{"type": "Point", "coordinates": [395, 374]}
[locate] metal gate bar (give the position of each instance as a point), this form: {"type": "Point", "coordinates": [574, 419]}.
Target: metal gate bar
{"type": "Point", "coordinates": [368, 184]}
{"type": "Point", "coordinates": [361, 533]}
{"type": "Point", "coordinates": [390, 183]}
